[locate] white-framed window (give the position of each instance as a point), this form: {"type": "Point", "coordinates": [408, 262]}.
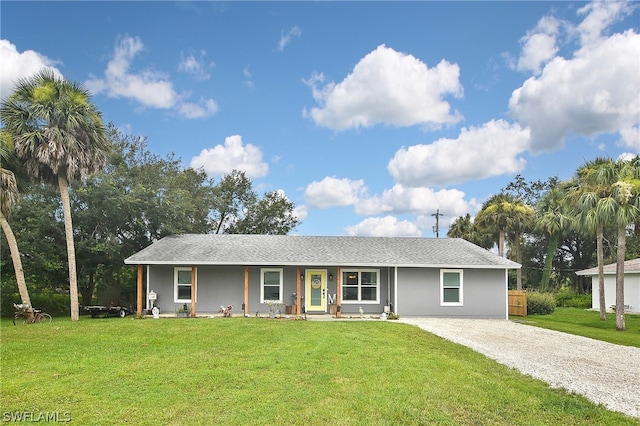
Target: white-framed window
{"type": "Point", "coordinates": [271, 285]}
{"type": "Point", "coordinates": [361, 286]}
{"type": "Point", "coordinates": [451, 287]}
{"type": "Point", "coordinates": [182, 285]}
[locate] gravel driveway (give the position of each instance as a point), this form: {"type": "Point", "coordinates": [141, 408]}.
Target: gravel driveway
{"type": "Point", "coordinates": [603, 372]}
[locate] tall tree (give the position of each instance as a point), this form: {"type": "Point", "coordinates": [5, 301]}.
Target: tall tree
{"type": "Point", "coordinates": [626, 193]}
{"type": "Point", "coordinates": [10, 183]}
{"type": "Point", "coordinates": [463, 227]}
{"type": "Point", "coordinates": [232, 197]}
{"type": "Point", "coordinates": [551, 218]}
{"type": "Point", "coordinates": [506, 212]}
{"type": "Point", "coordinates": [138, 198]}
{"type": "Point", "coordinates": [59, 134]}
{"type": "Point", "coordinates": [591, 196]}
{"type": "Point", "coordinates": [273, 215]}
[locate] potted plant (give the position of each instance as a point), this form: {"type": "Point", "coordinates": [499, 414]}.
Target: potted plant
{"type": "Point", "coordinates": [275, 308]}
{"type": "Point", "coordinates": [183, 311]}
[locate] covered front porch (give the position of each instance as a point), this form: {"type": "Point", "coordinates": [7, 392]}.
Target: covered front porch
{"type": "Point", "coordinates": [255, 289]}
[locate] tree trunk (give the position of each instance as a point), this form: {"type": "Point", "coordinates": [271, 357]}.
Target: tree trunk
{"type": "Point", "coordinates": [501, 244]}
{"type": "Point", "coordinates": [519, 260]}
{"type": "Point", "coordinates": [17, 261]}
{"type": "Point", "coordinates": [600, 252]}
{"type": "Point", "coordinates": [548, 260]}
{"type": "Point", "coordinates": [87, 291]}
{"type": "Point", "coordinates": [71, 252]}
{"type": "Point", "coordinates": [622, 249]}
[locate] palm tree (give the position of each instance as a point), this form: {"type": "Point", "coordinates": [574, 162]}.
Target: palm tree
{"type": "Point", "coordinates": [590, 194]}
{"type": "Point", "coordinates": [60, 136]}
{"type": "Point", "coordinates": [552, 217]}
{"type": "Point", "coordinates": [626, 193]}
{"type": "Point", "coordinates": [506, 212]}
{"type": "Point", "coordinates": [463, 227]}
{"type": "Point", "coordinates": [10, 183]}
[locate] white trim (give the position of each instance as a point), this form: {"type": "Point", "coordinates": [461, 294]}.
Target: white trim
{"type": "Point", "coordinates": [262, 271]}
{"type": "Point", "coordinates": [360, 301]}
{"type": "Point", "coordinates": [395, 285]}
{"type": "Point", "coordinates": [175, 284]}
{"type": "Point", "coordinates": [388, 302]}
{"type": "Point", "coordinates": [506, 292]}
{"type": "Point", "coordinates": [307, 292]}
{"type": "Point", "coordinates": [147, 302]}
{"type": "Point", "coordinates": [460, 292]}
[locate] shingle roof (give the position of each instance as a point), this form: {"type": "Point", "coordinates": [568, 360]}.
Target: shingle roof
{"type": "Point", "coordinates": [630, 267]}
{"type": "Point", "coordinates": [283, 250]}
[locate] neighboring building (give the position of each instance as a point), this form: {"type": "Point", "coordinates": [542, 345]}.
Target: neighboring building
{"type": "Point", "coordinates": [410, 276]}
{"type": "Point", "coordinates": [631, 285]}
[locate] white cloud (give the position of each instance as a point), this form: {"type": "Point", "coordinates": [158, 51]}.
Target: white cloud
{"type": "Point", "coordinates": [17, 65]}
{"type": "Point", "coordinates": [248, 77]}
{"type": "Point", "coordinates": [630, 138]}
{"type": "Point", "coordinates": [539, 46]}
{"type": "Point", "coordinates": [333, 192]}
{"type": "Point", "coordinates": [626, 156]}
{"type": "Point", "coordinates": [205, 108]}
{"type": "Point", "coordinates": [198, 68]}
{"type": "Point", "coordinates": [150, 88]}
{"type": "Point", "coordinates": [387, 87]}
{"type": "Point", "coordinates": [593, 92]}
{"type": "Point", "coordinates": [300, 212]}
{"type": "Point", "coordinates": [222, 159]}
{"type": "Point", "coordinates": [400, 199]}
{"type": "Point", "coordinates": [387, 226]}
{"type": "Point", "coordinates": [478, 152]}
{"type": "Point", "coordinates": [599, 15]}
{"type": "Point", "coordinates": [285, 38]}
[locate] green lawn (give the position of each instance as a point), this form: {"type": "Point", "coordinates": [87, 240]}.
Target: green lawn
{"type": "Point", "coordinates": [264, 372]}
{"type": "Point", "coordinates": [587, 323]}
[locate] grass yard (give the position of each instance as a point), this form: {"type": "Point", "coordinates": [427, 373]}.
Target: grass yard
{"type": "Point", "coordinates": [587, 323]}
{"type": "Point", "coordinates": [262, 372]}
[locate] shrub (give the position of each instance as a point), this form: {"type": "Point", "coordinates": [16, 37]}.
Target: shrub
{"type": "Point", "coordinates": [53, 304]}
{"type": "Point", "coordinates": [540, 303]}
{"type": "Point", "coordinates": [567, 298]}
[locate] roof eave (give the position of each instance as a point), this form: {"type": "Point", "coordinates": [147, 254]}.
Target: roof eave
{"type": "Point", "coordinates": [322, 264]}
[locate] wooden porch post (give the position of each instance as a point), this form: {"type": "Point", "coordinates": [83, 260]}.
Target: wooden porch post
{"type": "Point", "coordinates": [298, 309]}
{"type": "Point", "coordinates": [246, 289]}
{"type": "Point", "coordinates": [139, 304]}
{"type": "Point", "coordinates": [338, 292]}
{"type": "Point", "coordinates": [193, 291]}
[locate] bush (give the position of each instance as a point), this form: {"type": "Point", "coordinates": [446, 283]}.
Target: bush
{"type": "Point", "coordinates": [53, 304]}
{"type": "Point", "coordinates": [567, 298]}
{"type": "Point", "coordinates": [540, 303]}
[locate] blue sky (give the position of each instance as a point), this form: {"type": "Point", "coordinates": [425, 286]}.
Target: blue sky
{"type": "Point", "coordinates": [369, 116]}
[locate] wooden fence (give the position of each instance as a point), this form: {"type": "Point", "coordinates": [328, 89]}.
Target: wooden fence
{"type": "Point", "coordinates": [518, 303]}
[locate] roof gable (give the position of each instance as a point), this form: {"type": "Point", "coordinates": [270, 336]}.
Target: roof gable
{"type": "Point", "coordinates": [225, 249]}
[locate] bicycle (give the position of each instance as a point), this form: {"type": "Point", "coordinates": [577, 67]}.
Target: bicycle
{"type": "Point", "coordinates": [26, 316]}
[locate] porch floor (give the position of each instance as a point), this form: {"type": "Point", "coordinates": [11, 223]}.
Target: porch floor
{"type": "Point", "coordinates": [307, 317]}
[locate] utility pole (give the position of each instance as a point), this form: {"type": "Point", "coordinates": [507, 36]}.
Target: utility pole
{"type": "Point", "coordinates": [436, 228]}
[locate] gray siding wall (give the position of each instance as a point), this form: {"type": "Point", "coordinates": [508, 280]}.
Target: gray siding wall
{"type": "Point", "coordinates": [484, 291]}
{"type": "Point", "coordinates": [484, 294]}
{"type": "Point", "coordinates": [224, 285]}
